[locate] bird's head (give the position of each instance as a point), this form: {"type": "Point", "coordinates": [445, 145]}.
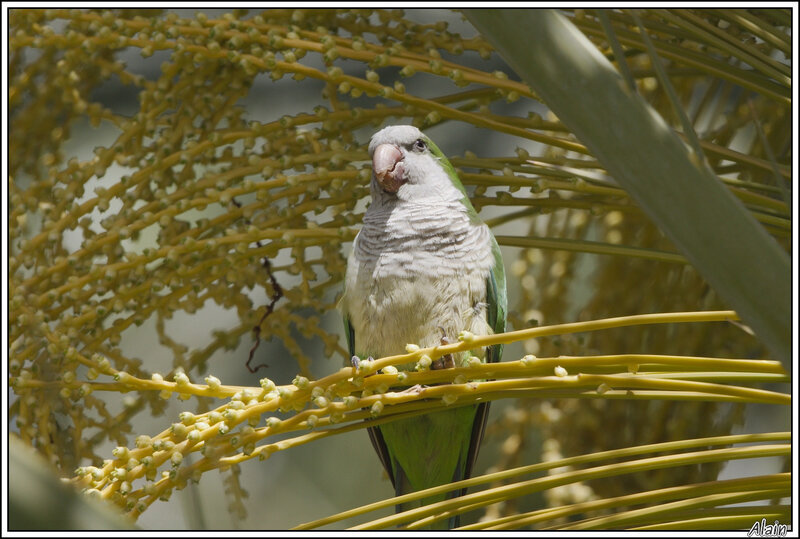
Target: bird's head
{"type": "Point", "coordinates": [408, 166]}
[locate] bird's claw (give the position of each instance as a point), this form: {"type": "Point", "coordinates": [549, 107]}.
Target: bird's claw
{"type": "Point", "coordinates": [444, 339]}
{"type": "Point", "coordinates": [444, 362]}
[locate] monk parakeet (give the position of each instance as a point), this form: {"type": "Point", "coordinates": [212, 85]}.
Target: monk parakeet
{"type": "Point", "coordinates": [423, 268]}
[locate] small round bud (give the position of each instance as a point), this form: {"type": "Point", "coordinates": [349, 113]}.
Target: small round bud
{"type": "Point", "coordinates": [321, 402]}
{"type": "Point", "coordinates": [449, 398]}
{"type": "Point", "coordinates": [424, 363]}
{"type": "Point", "coordinates": [119, 474]}
{"type": "Point", "coordinates": [366, 366]}
{"type": "Point", "coordinates": [376, 409]}
{"type": "Point", "coordinates": [466, 336]}
{"type": "Point", "coordinates": [143, 441]}
{"type": "Point", "coordinates": [528, 360]}
{"type": "Point", "coordinates": [350, 401]}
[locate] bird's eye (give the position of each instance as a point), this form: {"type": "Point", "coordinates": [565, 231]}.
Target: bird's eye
{"type": "Point", "coordinates": [419, 145]}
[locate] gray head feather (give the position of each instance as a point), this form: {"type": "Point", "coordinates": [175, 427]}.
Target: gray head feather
{"type": "Point", "coordinates": [425, 179]}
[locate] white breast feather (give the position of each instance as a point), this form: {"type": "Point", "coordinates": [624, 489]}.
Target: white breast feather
{"type": "Point", "coordinates": [411, 273]}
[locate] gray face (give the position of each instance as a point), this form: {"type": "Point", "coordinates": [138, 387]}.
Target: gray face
{"type": "Point", "coordinates": [405, 169]}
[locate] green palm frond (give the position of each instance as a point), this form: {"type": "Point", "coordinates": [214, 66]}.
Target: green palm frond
{"type": "Point", "coordinates": [658, 508]}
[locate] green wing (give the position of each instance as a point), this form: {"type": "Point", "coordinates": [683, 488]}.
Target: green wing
{"type": "Point", "coordinates": [350, 336]}
{"type": "Point", "coordinates": [496, 317]}
{"type": "Point", "coordinates": [496, 298]}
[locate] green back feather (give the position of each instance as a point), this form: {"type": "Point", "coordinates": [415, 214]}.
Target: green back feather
{"type": "Point", "coordinates": [350, 336]}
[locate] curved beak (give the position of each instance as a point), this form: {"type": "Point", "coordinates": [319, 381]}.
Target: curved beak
{"type": "Point", "coordinates": [387, 164]}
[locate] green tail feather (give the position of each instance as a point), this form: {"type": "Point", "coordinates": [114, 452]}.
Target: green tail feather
{"type": "Point", "coordinates": [430, 450]}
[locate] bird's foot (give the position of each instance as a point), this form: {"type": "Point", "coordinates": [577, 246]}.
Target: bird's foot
{"type": "Point", "coordinates": [413, 389]}
{"type": "Point", "coordinates": [446, 361]}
